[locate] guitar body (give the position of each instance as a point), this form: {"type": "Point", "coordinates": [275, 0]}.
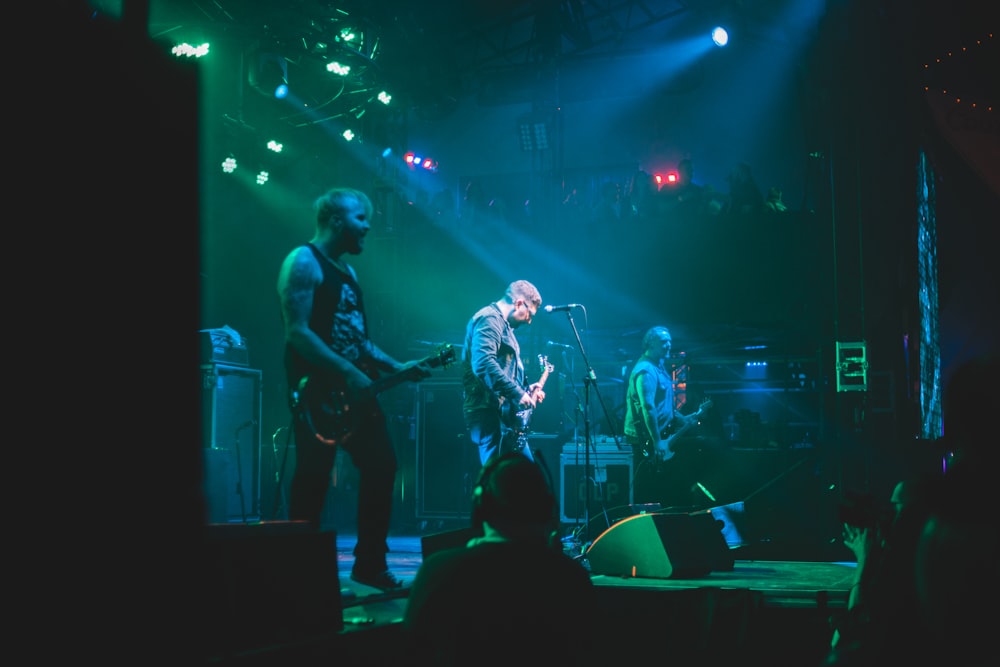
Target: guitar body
{"type": "Point", "coordinates": [334, 412]}
{"type": "Point", "coordinates": [518, 420]}
{"type": "Point", "coordinates": [672, 435]}
{"type": "Point", "coordinates": [330, 410]}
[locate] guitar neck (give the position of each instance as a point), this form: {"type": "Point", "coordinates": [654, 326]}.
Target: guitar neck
{"type": "Point", "coordinates": [390, 381]}
{"type": "Point", "coordinates": [689, 423]}
{"type": "Point", "coordinates": [546, 369]}
{"type": "Point", "coordinates": [681, 431]}
{"type": "Point", "coordinates": [386, 383]}
{"type": "Point", "coordinates": [541, 380]}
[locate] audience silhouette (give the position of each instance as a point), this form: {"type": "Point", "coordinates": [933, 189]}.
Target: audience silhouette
{"type": "Point", "coordinates": [925, 580]}
{"type": "Point", "coordinates": [510, 593]}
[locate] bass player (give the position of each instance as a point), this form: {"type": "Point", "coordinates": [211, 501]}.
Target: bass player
{"type": "Point", "coordinates": [651, 422]}
{"type": "Point", "coordinates": [326, 338]}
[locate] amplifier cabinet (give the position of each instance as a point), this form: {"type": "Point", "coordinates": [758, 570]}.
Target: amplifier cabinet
{"type": "Point", "coordinates": [217, 347]}
{"type": "Point", "coordinates": [587, 491]}
{"type": "Point", "coordinates": [447, 462]}
{"type": "Point", "coordinates": [231, 414]}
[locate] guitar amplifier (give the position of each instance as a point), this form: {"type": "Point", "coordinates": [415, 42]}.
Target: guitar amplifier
{"type": "Point", "coordinates": [221, 346]}
{"type": "Point", "coordinates": [231, 414]}
{"type": "Point", "coordinates": [590, 489]}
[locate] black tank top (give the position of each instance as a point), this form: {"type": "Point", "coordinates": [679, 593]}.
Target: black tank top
{"type": "Point", "coordinates": [338, 317]}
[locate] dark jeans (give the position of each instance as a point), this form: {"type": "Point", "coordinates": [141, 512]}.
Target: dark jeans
{"type": "Point", "coordinates": [371, 450]}
{"type": "Point", "coordinates": [491, 436]}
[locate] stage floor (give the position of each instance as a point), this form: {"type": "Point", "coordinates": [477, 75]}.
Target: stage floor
{"type": "Point", "coordinates": [776, 610]}
{"type": "Point", "coordinates": [779, 583]}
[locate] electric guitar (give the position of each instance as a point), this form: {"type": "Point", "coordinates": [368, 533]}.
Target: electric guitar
{"type": "Point", "coordinates": [333, 411]}
{"type": "Point", "coordinates": [671, 435]}
{"type": "Point", "coordinates": [519, 420]}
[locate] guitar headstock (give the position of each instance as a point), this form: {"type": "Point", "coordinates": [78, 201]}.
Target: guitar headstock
{"type": "Point", "coordinates": [544, 365]}
{"type": "Point", "coordinates": [444, 357]}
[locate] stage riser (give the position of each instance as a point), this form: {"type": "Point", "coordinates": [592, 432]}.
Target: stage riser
{"type": "Point", "coordinates": [267, 584]}
{"type": "Point", "coordinates": [704, 627]}
{"type": "Point", "coordinates": [709, 627]}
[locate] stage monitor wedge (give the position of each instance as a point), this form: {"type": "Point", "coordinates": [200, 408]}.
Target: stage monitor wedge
{"type": "Point", "coordinates": [661, 546]}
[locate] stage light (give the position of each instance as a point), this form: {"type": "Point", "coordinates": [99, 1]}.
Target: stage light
{"type": "Point", "coordinates": [387, 152]}
{"type": "Point", "coordinates": [384, 97]}
{"type": "Point", "coordinates": [534, 132]}
{"type": "Point", "coordinates": [348, 134]}
{"type": "Point", "coordinates": [524, 130]}
{"type": "Point", "coordinates": [262, 177]}
{"type": "Point", "coordinates": [229, 165]}
{"type": "Point", "coordinates": [419, 161]}
{"type": "Point", "coordinates": [189, 51]}
{"type": "Point", "coordinates": [273, 145]}
{"type": "Point", "coordinates": [338, 69]}
{"type": "Point", "coordinates": [720, 36]}
{"type": "Point", "coordinates": [269, 75]}
{"type": "Point", "coordinates": [541, 136]}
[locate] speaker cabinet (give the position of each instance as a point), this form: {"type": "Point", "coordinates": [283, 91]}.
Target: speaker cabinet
{"type": "Point", "coordinates": [268, 583]}
{"type": "Point", "coordinates": [447, 463]}
{"type": "Point", "coordinates": [231, 413]}
{"type": "Point", "coordinates": [607, 483]}
{"type": "Point", "coordinates": [661, 546]}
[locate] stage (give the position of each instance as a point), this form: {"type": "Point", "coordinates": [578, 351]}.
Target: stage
{"type": "Point", "coordinates": [770, 610]}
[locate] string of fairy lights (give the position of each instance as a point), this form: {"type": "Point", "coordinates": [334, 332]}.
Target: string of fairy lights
{"type": "Point", "coordinates": [960, 96]}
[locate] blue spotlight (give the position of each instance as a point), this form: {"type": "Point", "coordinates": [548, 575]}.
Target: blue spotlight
{"type": "Point", "coordinates": [281, 91]}
{"type": "Point", "coordinates": [720, 36]}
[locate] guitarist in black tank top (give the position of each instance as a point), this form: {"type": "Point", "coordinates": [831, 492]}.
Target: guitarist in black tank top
{"type": "Point", "coordinates": [327, 344]}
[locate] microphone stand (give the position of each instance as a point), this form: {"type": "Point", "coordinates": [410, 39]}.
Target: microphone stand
{"type": "Point", "coordinates": [280, 501]}
{"type": "Point", "coordinates": [239, 471]}
{"type": "Point", "coordinates": [239, 468]}
{"type": "Point", "coordinates": [588, 382]}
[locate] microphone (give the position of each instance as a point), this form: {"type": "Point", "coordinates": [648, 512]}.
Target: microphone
{"type": "Point", "coordinates": [559, 345]}
{"type": "Point", "coordinates": [557, 309]}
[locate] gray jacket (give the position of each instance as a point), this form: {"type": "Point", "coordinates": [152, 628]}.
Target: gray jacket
{"type": "Point", "coordinates": [491, 362]}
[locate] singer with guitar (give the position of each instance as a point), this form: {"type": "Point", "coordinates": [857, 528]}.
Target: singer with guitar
{"type": "Point", "coordinates": [493, 374]}
{"type": "Point", "coordinates": [650, 417]}
{"type": "Point", "coordinates": [326, 345]}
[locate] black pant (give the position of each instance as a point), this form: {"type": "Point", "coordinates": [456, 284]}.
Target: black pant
{"type": "Point", "coordinates": [371, 450]}
{"type": "Point", "coordinates": [657, 482]}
